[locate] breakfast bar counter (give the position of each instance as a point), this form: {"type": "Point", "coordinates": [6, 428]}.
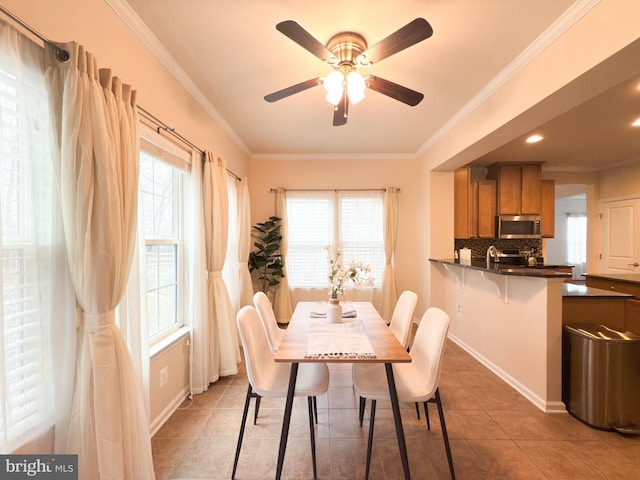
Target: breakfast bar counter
{"type": "Point", "coordinates": [509, 317]}
{"type": "Point", "coordinates": [543, 270]}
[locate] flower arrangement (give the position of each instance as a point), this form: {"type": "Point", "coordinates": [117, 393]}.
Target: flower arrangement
{"type": "Point", "coordinates": [340, 274]}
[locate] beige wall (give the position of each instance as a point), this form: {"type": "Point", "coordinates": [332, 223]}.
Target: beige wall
{"type": "Point", "coordinates": [320, 174]}
{"type": "Point", "coordinates": [94, 24]}
{"type": "Point", "coordinates": [522, 103]}
{"type": "Point", "coordinates": [563, 75]}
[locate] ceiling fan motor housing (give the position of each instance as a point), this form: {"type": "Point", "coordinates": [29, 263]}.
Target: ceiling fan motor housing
{"type": "Point", "coordinates": [347, 47]}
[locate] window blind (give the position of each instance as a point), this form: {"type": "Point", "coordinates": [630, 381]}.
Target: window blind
{"type": "Point", "coordinates": [26, 199]}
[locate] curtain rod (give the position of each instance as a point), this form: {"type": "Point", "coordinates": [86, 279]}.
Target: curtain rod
{"type": "Point", "coordinates": [172, 131]}
{"type": "Point", "coordinates": [63, 56]}
{"type": "Point", "coordinates": [275, 190]}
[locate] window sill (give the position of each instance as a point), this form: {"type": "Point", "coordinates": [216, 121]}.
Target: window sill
{"type": "Point", "coordinates": [169, 341]}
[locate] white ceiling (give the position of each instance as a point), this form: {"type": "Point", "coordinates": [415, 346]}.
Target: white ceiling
{"type": "Point", "coordinates": [231, 55]}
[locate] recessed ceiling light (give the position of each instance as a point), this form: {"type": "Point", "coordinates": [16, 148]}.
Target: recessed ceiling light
{"type": "Point", "coordinates": [534, 138]}
{"type": "Point", "coordinates": [636, 123]}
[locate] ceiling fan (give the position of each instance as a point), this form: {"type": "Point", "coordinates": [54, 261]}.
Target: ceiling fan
{"type": "Point", "coordinates": [346, 52]}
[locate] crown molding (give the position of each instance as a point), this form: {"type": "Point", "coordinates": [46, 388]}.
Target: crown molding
{"type": "Point", "coordinates": [135, 23]}
{"type": "Point", "coordinates": [333, 156]}
{"type": "Point", "coordinates": [551, 34]}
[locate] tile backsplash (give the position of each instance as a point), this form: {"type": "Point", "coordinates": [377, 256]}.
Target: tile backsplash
{"type": "Point", "coordinates": [479, 246]}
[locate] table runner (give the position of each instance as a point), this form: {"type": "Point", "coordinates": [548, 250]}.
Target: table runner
{"type": "Point", "coordinates": [345, 339]}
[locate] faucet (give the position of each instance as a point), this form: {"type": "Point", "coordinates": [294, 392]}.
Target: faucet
{"type": "Point", "coordinates": [492, 251]}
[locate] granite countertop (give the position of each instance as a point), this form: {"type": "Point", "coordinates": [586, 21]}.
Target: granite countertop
{"type": "Point", "coordinates": [619, 277]}
{"type": "Point", "coordinates": [544, 270]}
{"type": "Point", "coordinates": [582, 291]}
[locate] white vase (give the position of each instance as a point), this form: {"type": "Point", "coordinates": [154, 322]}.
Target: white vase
{"type": "Point", "coordinates": [334, 311]}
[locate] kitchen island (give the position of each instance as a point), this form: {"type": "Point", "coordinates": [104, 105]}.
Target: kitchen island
{"type": "Point", "coordinates": [510, 319]}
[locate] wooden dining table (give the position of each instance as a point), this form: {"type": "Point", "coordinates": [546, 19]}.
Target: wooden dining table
{"type": "Point", "coordinates": [388, 350]}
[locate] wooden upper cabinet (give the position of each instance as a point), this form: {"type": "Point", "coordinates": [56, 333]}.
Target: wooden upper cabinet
{"type": "Point", "coordinates": [519, 189]}
{"type": "Point", "coordinates": [548, 208]}
{"type": "Point", "coordinates": [461, 206]}
{"type": "Point", "coordinates": [531, 189]}
{"type": "Point", "coordinates": [474, 206]}
{"type": "Point", "coordinates": [486, 209]}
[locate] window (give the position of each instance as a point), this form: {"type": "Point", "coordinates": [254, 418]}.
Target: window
{"type": "Point", "coordinates": [348, 220]}
{"type": "Point", "coordinates": [161, 191]}
{"type": "Point", "coordinates": [27, 202]}
{"type": "Point", "coordinates": [577, 239]}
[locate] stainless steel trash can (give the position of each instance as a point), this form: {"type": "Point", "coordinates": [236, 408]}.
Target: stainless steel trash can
{"type": "Point", "coordinates": [601, 377]}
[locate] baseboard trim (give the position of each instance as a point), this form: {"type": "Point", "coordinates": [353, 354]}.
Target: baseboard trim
{"type": "Point", "coordinates": [540, 403]}
{"type": "Point", "coordinates": [169, 410]}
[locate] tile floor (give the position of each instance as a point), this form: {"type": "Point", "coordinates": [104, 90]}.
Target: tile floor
{"type": "Point", "coordinates": [494, 432]}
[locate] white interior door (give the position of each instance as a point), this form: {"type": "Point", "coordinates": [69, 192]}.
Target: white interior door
{"type": "Point", "coordinates": [620, 236]}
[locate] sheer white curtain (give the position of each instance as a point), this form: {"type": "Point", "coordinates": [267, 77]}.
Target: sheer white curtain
{"type": "Point", "coordinates": [131, 317]}
{"type": "Point", "coordinates": [37, 297]}
{"type": "Point", "coordinates": [244, 243]}
{"type": "Point", "coordinates": [230, 271]}
{"type": "Point", "coordinates": [282, 302]}
{"type": "Point", "coordinates": [222, 353]}
{"type": "Point", "coordinates": [195, 240]}
{"type": "Point", "coordinates": [388, 295]}
{"type": "Point", "coordinates": [96, 166]}
{"type": "Point", "coordinates": [577, 242]}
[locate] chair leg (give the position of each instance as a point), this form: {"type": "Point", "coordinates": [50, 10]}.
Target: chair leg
{"type": "Point", "coordinates": [241, 434]}
{"type": "Point", "coordinates": [315, 408]}
{"type": "Point", "coordinates": [418, 410]}
{"type": "Point", "coordinates": [370, 442]}
{"type": "Point", "coordinates": [310, 403]}
{"type": "Point", "coordinates": [426, 414]}
{"type": "Point", "coordinates": [255, 413]}
{"type": "Point", "coordinates": [444, 434]}
{"type": "Point", "coordinates": [363, 404]}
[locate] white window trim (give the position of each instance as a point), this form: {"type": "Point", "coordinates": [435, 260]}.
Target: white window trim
{"type": "Point", "coordinates": [162, 148]}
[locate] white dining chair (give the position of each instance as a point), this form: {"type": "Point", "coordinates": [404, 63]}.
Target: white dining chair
{"type": "Point", "coordinates": [416, 381]}
{"type": "Point", "coordinates": [274, 335]}
{"type": "Point", "coordinates": [400, 325]}
{"type": "Point", "coordinates": [402, 317]}
{"type": "Point", "coordinates": [268, 317]}
{"type": "Point", "coordinates": [270, 379]}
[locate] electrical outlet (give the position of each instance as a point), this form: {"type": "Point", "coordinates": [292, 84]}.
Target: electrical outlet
{"type": "Point", "coordinates": [164, 376]}
{"type": "Point", "coordinates": [458, 310]}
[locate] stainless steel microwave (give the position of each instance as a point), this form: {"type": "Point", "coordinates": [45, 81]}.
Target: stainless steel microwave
{"type": "Point", "coordinates": [518, 226]}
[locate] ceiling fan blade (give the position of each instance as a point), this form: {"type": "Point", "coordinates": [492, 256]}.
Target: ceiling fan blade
{"type": "Point", "coordinates": [303, 38]}
{"type": "Point", "coordinates": [393, 90]}
{"type": "Point", "coordinates": [412, 33]}
{"type": "Point", "coordinates": [293, 89]}
{"type": "Point", "coordinates": [341, 111]}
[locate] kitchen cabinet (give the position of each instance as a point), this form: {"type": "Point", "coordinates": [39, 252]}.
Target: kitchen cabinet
{"type": "Point", "coordinates": [474, 206]}
{"type": "Point", "coordinates": [518, 188]}
{"type": "Point", "coordinates": [548, 208]}
{"type": "Point", "coordinates": [486, 208]}
{"type": "Point", "coordinates": [624, 284]}
{"type": "Point", "coordinates": [462, 206]}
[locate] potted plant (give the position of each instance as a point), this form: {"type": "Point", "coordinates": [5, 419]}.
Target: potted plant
{"type": "Point", "coordinates": [266, 259]}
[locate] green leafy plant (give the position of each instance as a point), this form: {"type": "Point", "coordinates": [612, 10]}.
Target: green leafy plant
{"type": "Point", "coordinates": [266, 259]}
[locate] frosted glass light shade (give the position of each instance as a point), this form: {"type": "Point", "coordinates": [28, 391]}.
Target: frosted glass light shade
{"type": "Point", "coordinates": [355, 87]}
{"type": "Point", "coordinates": [333, 84]}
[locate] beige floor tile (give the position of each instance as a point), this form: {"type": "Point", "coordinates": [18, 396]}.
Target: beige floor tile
{"type": "Point", "coordinates": [503, 459]}
{"type": "Point", "coordinates": [476, 424]}
{"type": "Point", "coordinates": [556, 460]}
{"type": "Point", "coordinates": [494, 433]}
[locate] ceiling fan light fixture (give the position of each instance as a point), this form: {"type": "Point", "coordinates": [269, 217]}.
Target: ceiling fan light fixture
{"type": "Point", "coordinates": [333, 84]}
{"type": "Point", "coordinates": [355, 87]}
